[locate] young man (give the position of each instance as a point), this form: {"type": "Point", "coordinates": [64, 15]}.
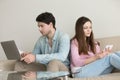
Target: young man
{"type": "Point", "coordinates": [52, 47]}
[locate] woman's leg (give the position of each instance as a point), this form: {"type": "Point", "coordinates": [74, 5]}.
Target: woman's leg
{"type": "Point", "coordinates": [115, 60]}
{"type": "Point", "coordinates": [100, 66]}
{"type": "Point", "coordinates": [117, 53]}
{"type": "Point", "coordinates": [108, 70]}
{"type": "Point", "coordinates": [95, 68]}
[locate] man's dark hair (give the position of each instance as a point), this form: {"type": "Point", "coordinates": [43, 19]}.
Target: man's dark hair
{"type": "Point", "coordinates": [46, 17]}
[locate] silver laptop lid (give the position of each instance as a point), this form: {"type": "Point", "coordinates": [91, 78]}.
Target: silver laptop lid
{"type": "Point", "coordinates": [10, 50]}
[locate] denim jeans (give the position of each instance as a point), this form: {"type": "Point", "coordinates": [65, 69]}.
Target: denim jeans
{"type": "Point", "coordinates": [100, 67]}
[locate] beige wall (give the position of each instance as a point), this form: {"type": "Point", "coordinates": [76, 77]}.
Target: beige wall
{"type": "Point", "coordinates": [17, 18]}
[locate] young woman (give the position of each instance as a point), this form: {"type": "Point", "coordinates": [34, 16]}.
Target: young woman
{"type": "Point", "coordinates": [87, 60]}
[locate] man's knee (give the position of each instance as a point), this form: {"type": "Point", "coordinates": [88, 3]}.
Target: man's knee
{"type": "Point", "coordinates": [54, 62]}
{"type": "Point", "coordinates": [56, 65]}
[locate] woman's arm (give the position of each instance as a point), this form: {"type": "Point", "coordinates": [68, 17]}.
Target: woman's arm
{"type": "Point", "coordinates": [98, 55]}
{"type": "Point", "coordinates": [75, 58]}
{"type": "Point", "coordinates": [91, 59]}
{"type": "Point", "coordinates": [80, 60]}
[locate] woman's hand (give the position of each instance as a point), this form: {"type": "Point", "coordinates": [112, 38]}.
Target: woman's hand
{"type": "Point", "coordinates": [103, 53]}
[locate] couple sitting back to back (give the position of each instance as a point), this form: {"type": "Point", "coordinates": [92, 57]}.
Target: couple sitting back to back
{"type": "Point", "coordinates": [86, 57]}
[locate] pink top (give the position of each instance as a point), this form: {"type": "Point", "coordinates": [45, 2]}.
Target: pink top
{"type": "Point", "coordinates": [78, 60]}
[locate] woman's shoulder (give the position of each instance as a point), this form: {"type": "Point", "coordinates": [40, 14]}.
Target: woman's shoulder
{"type": "Point", "coordinates": [74, 41]}
{"type": "Point", "coordinates": [97, 43]}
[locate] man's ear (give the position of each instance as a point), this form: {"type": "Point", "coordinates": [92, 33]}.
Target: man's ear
{"type": "Point", "coordinates": [51, 25]}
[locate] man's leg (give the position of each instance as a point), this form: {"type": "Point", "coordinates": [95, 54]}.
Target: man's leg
{"type": "Point", "coordinates": [56, 65]}
{"type": "Point", "coordinates": [22, 66]}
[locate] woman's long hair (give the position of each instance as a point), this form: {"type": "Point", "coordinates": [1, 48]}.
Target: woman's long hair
{"type": "Point", "coordinates": [85, 44]}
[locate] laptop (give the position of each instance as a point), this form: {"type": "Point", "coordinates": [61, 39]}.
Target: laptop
{"type": "Point", "coordinates": [11, 50]}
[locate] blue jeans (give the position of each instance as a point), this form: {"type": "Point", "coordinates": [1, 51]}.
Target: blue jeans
{"type": "Point", "coordinates": [100, 67]}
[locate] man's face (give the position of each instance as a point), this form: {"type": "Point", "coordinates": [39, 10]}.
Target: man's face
{"type": "Point", "coordinates": [44, 28]}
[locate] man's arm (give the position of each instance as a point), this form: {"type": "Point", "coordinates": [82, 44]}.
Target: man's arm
{"type": "Point", "coordinates": [28, 57]}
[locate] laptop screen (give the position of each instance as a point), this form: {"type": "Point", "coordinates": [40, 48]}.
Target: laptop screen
{"type": "Point", "coordinates": [10, 50]}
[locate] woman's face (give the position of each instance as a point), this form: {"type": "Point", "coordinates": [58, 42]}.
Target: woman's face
{"type": "Point", "coordinates": [87, 28]}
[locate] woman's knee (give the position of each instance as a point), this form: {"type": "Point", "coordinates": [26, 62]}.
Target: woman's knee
{"type": "Point", "coordinates": [112, 56]}
{"type": "Point", "coordinates": [117, 53]}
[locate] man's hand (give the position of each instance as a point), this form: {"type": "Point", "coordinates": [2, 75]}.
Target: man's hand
{"type": "Point", "coordinates": [24, 54]}
{"type": "Point", "coordinates": [29, 75]}
{"type": "Point", "coordinates": [28, 58]}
